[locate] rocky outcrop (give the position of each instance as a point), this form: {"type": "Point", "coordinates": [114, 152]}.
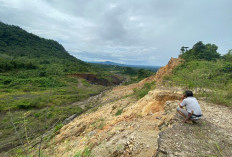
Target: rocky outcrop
{"type": "Point", "coordinates": [163, 71]}
{"type": "Point", "coordinates": [167, 69]}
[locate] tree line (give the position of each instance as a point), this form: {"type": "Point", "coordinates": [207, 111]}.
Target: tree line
{"type": "Point", "coordinates": [201, 51]}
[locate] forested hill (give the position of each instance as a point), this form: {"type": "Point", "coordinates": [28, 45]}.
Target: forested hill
{"type": "Point", "coordinates": [17, 42]}
{"type": "Point", "coordinates": [22, 50]}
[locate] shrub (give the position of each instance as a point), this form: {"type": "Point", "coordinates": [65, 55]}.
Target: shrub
{"type": "Point", "coordinates": [139, 93]}
{"type": "Point", "coordinates": [58, 127]}
{"type": "Point", "coordinates": [227, 68]}
{"type": "Point", "coordinates": [42, 74]}
{"type": "Point", "coordinates": [26, 105]}
{"type": "Point", "coordinates": [119, 112]}
{"type": "Point", "coordinates": [86, 152]}
{"type": "Point", "coordinates": [78, 154]}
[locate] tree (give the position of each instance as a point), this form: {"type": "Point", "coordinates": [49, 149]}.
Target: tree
{"type": "Point", "coordinates": [142, 73]}
{"type": "Point", "coordinates": [130, 71]}
{"type": "Point", "coordinates": [228, 57]}
{"type": "Point", "coordinates": [201, 51]}
{"type": "Point", "coordinates": [183, 49]}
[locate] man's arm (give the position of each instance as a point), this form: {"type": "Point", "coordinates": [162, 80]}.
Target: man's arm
{"type": "Point", "coordinates": [181, 106]}
{"type": "Point", "coordinates": [181, 101]}
{"type": "Point", "coordinates": [188, 117]}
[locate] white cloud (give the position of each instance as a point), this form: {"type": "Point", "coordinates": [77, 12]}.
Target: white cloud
{"type": "Point", "coordinates": [133, 32]}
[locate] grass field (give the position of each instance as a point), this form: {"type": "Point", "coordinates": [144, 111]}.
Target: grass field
{"type": "Point", "coordinates": [34, 105]}
{"type": "Point", "coordinates": [212, 79]}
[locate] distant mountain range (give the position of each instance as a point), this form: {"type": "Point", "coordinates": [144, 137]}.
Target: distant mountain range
{"type": "Point", "coordinates": [152, 68]}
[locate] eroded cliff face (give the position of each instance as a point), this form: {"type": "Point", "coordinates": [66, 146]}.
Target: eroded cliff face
{"type": "Point", "coordinates": [167, 69]}
{"type": "Point", "coordinates": [163, 71]}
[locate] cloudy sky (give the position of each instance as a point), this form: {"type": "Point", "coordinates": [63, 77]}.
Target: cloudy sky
{"type": "Point", "coordinates": [145, 32]}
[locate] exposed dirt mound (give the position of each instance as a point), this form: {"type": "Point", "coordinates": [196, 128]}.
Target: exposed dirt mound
{"type": "Point", "coordinates": [163, 71]}
{"type": "Point", "coordinates": [167, 70]}
{"type": "Point", "coordinates": [158, 77]}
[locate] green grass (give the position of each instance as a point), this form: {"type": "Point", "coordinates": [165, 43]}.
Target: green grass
{"type": "Point", "coordinates": [99, 123]}
{"type": "Point", "coordinates": [141, 92]}
{"type": "Point", "coordinates": [78, 154]}
{"type": "Point", "coordinates": [119, 112]}
{"type": "Point", "coordinates": [223, 97]}
{"type": "Point", "coordinates": [66, 91]}
{"type": "Point", "coordinates": [46, 97]}
{"type": "Point", "coordinates": [58, 127]}
{"type": "Point", "coordinates": [45, 105]}
{"type": "Point", "coordinates": [211, 78]}
{"type": "Point", "coordinates": [85, 153]}
{"type": "Point", "coordinates": [37, 121]}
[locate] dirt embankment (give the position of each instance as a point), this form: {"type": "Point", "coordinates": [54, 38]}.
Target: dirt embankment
{"type": "Point", "coordinates": [124, 126]}
{"type": "Point", "coordinates": [164, 71]}
{"type": "Point", "coordinates": [132, 133]}
{"type": "Point", "coordinates": [167, 69]}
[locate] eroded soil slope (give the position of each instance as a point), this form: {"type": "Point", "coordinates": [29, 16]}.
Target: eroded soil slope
{"type": "Point", "coordinates": [121, 125]}
{"type": "Point", "coordinates": [133, 133]}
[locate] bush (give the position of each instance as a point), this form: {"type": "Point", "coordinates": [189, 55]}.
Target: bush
{"type": "Point", "coordinates": [26, 104]}
{"type": "Point", "coordinates": [42, 74]}
{"type": "Point", "coordinates": [139, 93]}
{"type": "Point", "coordinates": [58, 127]}
{"type": "Point", "coordinates": [227, 67]}
{"type": "Point", "coordinates": [78, 154]}
{"type": "Point", "coordinates": [119, 112]}
{"type": "Point", "coordinates": [228, 57]}
{"type": "Point", "coordinates": [86, 152]}
{"type": "Point", "coordinates": [144, 73]}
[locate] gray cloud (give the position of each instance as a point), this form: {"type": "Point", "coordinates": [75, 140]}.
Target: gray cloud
{"type": "Point", "coordinates": [134, 32]}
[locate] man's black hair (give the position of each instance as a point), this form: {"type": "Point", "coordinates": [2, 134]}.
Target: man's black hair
{"type": "Point", "coordinates": [188, 93]}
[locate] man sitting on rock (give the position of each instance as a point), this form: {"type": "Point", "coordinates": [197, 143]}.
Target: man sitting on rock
{"type": "Point", "coordinates": [193, 110]}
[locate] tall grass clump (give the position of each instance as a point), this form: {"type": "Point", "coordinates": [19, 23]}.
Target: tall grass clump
{"type": "Point", "coordinates": [139, 93]}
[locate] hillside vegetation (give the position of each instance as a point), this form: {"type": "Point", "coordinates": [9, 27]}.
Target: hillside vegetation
{"type": "Point", "coordinates": [31, 66]}
{"type": "Point", "coordinates": [34, 86]}
{"type": "Point", "coordinates": [133, 74]}
{"type": "Point", "coordinates": [205, 70]}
